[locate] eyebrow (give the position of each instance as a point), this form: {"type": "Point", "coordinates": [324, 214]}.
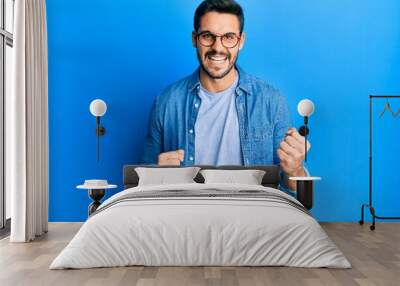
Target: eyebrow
{"type": "Point", "coordinates": [207, 31]}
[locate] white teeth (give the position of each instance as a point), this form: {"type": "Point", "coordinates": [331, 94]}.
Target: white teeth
{"type": "Point", "coordinates": [219, 59]}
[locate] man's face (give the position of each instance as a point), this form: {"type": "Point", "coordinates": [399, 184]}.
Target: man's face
{"type": "Point", "coordinates": [218, 60]}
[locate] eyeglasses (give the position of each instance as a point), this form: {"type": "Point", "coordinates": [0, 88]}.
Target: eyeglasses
{"type": "Point", "coordinates": [228, 40]}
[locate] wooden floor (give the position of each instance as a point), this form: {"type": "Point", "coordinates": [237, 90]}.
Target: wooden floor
{"type": "Point", "coordinates": [375, 257]}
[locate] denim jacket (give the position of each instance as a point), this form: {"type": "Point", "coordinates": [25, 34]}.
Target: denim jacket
{"type": "Point", "coordinates": [262, 111]}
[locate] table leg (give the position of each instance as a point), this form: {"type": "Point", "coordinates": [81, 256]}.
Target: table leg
{"type": "Point", "coordinates": [96, 195]}
{"type": "Point", "coordinates": [304, 192]}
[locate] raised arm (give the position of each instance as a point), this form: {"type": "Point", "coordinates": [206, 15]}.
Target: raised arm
{"type": "Point", "coordinates": [292, 154]}
{"type": "Point", "coordinates": [288, 146]}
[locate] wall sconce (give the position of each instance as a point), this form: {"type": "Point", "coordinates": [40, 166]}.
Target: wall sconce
{"type": "Point", "coordinates": [305, 109]}
{"type": "Point", "coordinates": [98, 108]}
{"type": "Point", "coordinates": [305, 185]}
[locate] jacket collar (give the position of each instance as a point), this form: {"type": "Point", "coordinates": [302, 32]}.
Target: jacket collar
{"type": "Point", "coordinates": [244, 80]}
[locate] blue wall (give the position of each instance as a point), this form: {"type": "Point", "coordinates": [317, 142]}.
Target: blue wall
{"type": "Point", "coordinates": [335, 52]}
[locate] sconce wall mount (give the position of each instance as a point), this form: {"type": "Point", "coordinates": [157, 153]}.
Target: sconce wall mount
{"type": "Point", "coordinates": [100, 129]}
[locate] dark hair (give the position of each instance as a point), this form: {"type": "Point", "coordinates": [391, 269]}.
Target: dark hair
{"type": "Point", "coordinates": [220, 6]}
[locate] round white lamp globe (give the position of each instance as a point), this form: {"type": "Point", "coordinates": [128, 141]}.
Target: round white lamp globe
{"type": "Point", "coordinates": [98, 107]}
{"type": "Point", "coordinates": [305, 107]}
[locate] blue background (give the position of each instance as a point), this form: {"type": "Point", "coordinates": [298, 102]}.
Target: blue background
{"type": "Point", "coordinates": [335, 52]}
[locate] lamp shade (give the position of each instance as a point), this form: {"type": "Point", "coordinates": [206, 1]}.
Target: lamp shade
{"type": "Point", "coordinates": [98, 107]}
{"type": "Point", "coordinates": [305, 107]}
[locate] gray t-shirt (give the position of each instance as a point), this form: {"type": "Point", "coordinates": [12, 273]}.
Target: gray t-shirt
{"type": "Point", "coordinates": [217, 140]}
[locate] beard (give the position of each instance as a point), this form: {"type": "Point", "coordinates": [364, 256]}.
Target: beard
{"type": "Point", "coordinates": [221, 74]}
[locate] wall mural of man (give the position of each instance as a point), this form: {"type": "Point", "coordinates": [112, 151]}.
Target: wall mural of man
{"type": "Point", "coordinates": [220, 115]}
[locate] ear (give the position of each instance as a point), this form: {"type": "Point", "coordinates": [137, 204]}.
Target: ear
{"type": "Point", "coordinates": [242, 40]}
{"type": "Point", "coordinates": [194, 39]}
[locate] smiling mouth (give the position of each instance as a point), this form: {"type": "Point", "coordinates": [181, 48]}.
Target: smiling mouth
{"type": "Point", "coordinates": [217, 58]}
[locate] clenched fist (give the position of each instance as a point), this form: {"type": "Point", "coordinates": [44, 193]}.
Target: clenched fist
{"type": "Point", "coordinates": [171, 158]}
{"type": "Point", "coordinates": [292, 153]}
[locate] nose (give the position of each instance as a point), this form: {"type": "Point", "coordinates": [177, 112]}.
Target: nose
{"type": "Point", "coordinates": [218, 47]}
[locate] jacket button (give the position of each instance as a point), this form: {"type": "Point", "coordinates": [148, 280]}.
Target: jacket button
{"type": "Point", "coordinates": [191, 131]}
{"type": "Point", "coordinates": [191, 158]}
{"type": "Point", "coordinates": [196, 105]}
